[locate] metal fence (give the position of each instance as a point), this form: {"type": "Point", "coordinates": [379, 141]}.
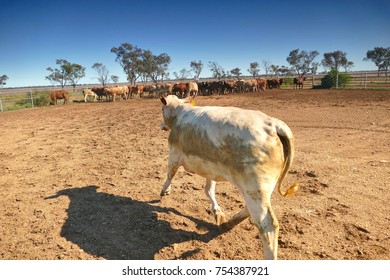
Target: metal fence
{"type": "Point", "coordinates": [15, 99]}
{"type": "Point", "coordinates": [359, 80]}
{"type": "Point", "coordinates": [10, 101]}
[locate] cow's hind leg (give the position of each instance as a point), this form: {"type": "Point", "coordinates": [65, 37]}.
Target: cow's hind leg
{"type": "Point", "coordinates": [236, 219]}
{"type": "Point", "coordinates": [265, 220]}
{"type": "Point", "coordinates": [217, 211]}
{"type": "Point", "coordinates": [173, 166]}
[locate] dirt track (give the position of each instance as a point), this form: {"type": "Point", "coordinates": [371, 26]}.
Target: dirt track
{"type": "Point", "coordinates": [82, 181]}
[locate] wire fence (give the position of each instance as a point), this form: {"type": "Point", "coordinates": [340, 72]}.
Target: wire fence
{"type": "Point", "coordinates": [19, 99]}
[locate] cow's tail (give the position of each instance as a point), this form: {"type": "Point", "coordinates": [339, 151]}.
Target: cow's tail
{"type": "Point", "coordinates": [288, 142]}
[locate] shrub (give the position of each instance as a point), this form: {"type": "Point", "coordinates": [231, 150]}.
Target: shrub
{"type": "Point", "coordinates": [330, 79]}
{"type": "Point", "coordinates": [287, 81]}
{"type": "Point", "coordinates": [41, 98]}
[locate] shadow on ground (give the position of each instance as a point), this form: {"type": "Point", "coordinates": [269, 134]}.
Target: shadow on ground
{"type": "Point", "coordinates": [115, 227]}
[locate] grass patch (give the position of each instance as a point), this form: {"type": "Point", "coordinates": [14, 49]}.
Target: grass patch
{"type": "Point", "coordinates": [37, 98]}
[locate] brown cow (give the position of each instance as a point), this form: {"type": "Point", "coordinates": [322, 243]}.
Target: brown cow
{"type": "Point", "coordinates": [251, 85]}
{"type": "Point", "coordinates": [111, 92]}
{"type": "Point", "coordinates": [274, 83]}
{"type": "Point", "coordinates": [136, 91]}
{"type": "Point", "coordinates": [261, 84]}
{"type": "Point", "coordinates": [59, 94]}
{"type": "Point", "coordinates": [159, 90]}
{"type": "Point", "coordinates": [228, 86]}
{"type": "Point", "coordinates": [298, 82]}
{"type": "Point", "coordinates": [180, 88]}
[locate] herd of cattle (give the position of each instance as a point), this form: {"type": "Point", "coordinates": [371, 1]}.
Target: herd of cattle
{"type": "Point", "coordinates": [181, 90]}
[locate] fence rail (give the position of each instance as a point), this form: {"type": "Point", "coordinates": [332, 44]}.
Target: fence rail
{"type": "Point", "coordinates": [359, 80]}
{"type": "Point", "coordinates": [26, 99]}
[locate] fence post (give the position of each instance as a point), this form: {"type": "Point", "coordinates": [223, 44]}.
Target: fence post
{"type": "Point", "coordinates": [312, 80]}
{"type": "Point", "coordinates": [32, 99]}
{"type": "Point", "coordinates": [1, 105]}
{"type": "Point", "coordinates": [365, 81]}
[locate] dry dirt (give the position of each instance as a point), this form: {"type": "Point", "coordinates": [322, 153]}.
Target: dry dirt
{"type": "Point", "coordinates": [83, 181]}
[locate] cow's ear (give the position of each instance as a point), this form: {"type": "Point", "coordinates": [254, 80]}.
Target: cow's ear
{"type": "Point", "coordinates": [163, 100]}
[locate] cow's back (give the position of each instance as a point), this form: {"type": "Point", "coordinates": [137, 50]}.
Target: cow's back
{"type": "Point", "coordinates": [224, 138]}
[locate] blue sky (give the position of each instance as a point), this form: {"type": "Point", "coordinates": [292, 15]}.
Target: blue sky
{"type": "Point", "coordinates": [33, 34]}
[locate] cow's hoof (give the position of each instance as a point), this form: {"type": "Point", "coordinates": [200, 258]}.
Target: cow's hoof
{"type": "Point", "coordinates": [220, 217]}
{"type": "Point", "coordinates": [164, 193]}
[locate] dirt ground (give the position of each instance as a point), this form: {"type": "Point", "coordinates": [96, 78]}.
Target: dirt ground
{"type": "Point", "coordinates": [83, 181]}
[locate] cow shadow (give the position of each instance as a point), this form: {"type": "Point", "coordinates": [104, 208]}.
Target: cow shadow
{"type": "Point", "coordinates": [114, 227]}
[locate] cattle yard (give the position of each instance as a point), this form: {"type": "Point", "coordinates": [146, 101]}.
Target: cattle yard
{"type": "Point", "coordinates": [83, 181]}
{"type": "Point", "coordinates": [19, 98]}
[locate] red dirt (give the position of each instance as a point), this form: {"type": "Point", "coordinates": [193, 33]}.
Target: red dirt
{"type": "Point", "coordinates": [82, 181]}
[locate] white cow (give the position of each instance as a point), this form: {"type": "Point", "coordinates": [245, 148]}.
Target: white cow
{"type": "Point", "coordinates": [88, 92]}
{"type": "Point", "coordinates": [247, 148]}
{"type": "Point", "coordinates": [192, 89]}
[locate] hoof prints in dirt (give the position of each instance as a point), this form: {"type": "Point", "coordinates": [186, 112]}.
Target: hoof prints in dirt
{"type": "Point", "coordinates": [309, 182]}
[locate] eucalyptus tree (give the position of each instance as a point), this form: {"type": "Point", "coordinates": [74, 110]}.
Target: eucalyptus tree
{"type": "Point", "coordinates": [236, 72]}
{"type": "Point", "coordinates": [130, 58]}
{"type": "Point", "coordinates": [59, 75]}
{"type": "Point", "coordinates": [137, 63]}
{"type": "Point", "coordinates": [335, 60]}
{"type": "Point", "coordinates": [217, 71]}
{"type": "Point", "coordinates": [254, 69]}
{"type": "Point", "coordinates": [196, 67]}
{"type": "Point", "coordinates": [3, 80]}
{"type": "Point", "coordinates": [301, 61]}
{"type": "Point", "coordinates": [381, 57]}
{"type": "Point", "coordinates": [66, 73]}
{"type": "Point", "coordinates": [102, 72]}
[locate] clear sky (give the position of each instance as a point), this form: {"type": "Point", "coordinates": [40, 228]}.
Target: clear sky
{"type": "Point", "coordinates": [34, 33]}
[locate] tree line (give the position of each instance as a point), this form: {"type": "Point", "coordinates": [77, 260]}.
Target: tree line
{"type": "Point", "coordinates": [139, 64]}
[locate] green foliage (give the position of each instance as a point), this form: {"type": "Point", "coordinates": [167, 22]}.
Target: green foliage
{"type": "Point", "coordinates": [41, 98]}
{"type": "Point", "coordinates": [137, 63]}
{"type": "Point", "coordinates": [301, 61]}
{"type": "Point", "coordinates": [336, 59]}
{"type": "Point", "coordinates": [380, 56]}
{"type": "Point", "coordinates": [3, 80]}
{"type": "Point", "coordinates": [68, 72]}
{"type": "Point", "coordinates": [236, 72]}
{"type": "Point", "coordinates": [197, 67]}
{"type": "Point", "coordinates": [18, 101]}
{"type": "Point", "coordinates": [287, 81]}
{"type": "Point", "coordinates": [254, 69]}
{"type": "Point", "coordinates": [330, 79]}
